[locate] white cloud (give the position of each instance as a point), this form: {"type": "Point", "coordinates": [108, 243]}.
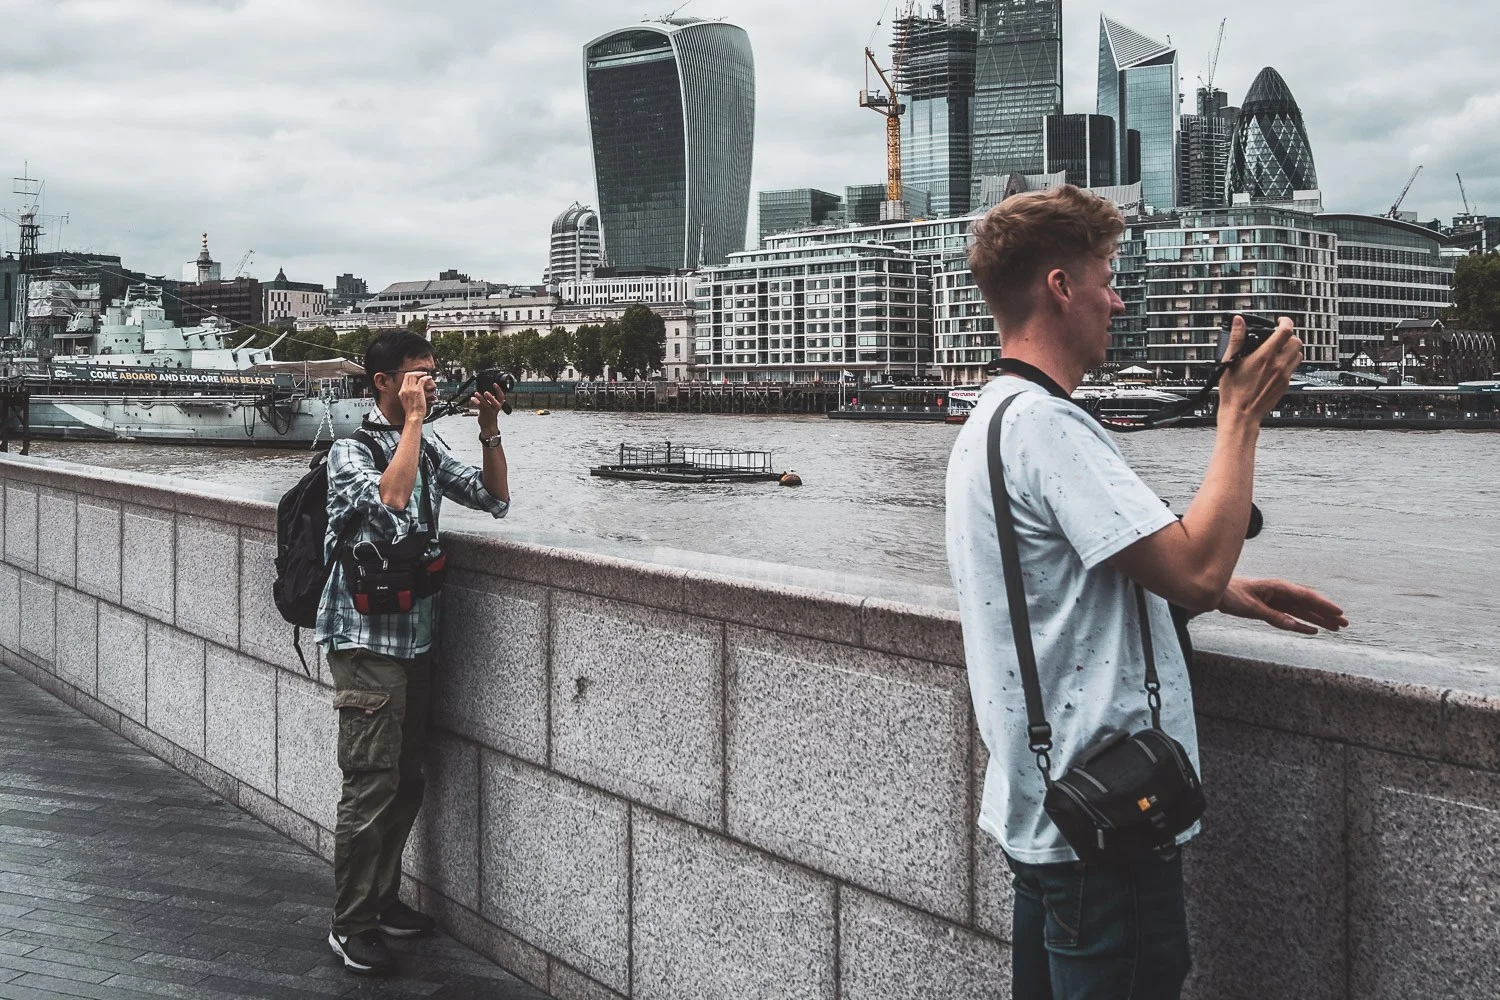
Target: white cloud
{"type": "Point", "coordinates": [394, 139]}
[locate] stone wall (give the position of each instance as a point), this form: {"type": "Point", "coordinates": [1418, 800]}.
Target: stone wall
{"type": "Point", "coordinates": [655, 782]}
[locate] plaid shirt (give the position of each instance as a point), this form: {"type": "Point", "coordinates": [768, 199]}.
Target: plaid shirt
{"type": "Point", "coordinates": [354, 489]}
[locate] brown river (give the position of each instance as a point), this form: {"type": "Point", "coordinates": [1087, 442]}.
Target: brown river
{"type": "Point", "coordinates": [1401, 528]}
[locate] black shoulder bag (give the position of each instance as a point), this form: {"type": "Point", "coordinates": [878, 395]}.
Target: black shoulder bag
{"type": "Point", "coordinates": [392, 581]}
{"type": "Point", "coordinates": [1131, 795]}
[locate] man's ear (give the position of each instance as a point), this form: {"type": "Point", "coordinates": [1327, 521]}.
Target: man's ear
{"type": "Point", "coordinates": [1059, 287]}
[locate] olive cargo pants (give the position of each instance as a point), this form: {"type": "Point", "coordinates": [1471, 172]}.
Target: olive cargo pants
{"type": "Point", "coordinates": [383, 706]}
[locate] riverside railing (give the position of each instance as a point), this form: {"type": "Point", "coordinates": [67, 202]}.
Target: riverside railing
{"type": "Point", "coordinates": [653, 780]}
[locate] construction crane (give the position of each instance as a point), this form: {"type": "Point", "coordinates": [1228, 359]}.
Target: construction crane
{"type": "Point", "coordinates": [1463, 194]}
{"type": "Point", "coordinates": [239, 270]}
{"type": "Point", "coordinates": [889, 104]}
{"type": "Point", "coordinates": [1213, 62]}
{"type": "Point", "coordinates": [1396, 208]}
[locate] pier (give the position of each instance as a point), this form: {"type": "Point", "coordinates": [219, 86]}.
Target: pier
{"type": "Point", "coordinates": [679, 397]}
{"type": "Point", "coordinates": [709, 777]}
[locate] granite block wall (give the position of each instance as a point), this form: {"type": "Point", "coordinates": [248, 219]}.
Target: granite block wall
{"type": "Point", "coordinates": [656, 782]}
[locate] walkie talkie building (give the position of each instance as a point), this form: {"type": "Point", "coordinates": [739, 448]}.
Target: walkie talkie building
{"type": "Point", "coordinates": [672, 119]}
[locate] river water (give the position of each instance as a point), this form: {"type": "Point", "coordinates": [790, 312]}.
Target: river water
{"type": "Point", "coordinates": [1401, 528]}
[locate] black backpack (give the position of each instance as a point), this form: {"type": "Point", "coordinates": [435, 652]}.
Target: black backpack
{"type": "Point", "coordinates": [301, 525]}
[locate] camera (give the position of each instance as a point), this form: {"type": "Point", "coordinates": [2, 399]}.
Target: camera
{"type": "Point", "coordinates": [494, 380]}
{"type": "Point", "coordinates": [1258, 330]}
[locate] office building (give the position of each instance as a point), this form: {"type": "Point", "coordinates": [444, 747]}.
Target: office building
{"type": "Point", "coordinates": [1203, 151]}
{"type": "Point", "coordinates": [1128, 333]}
{"type": "Point", "coordinates": [285, 299]}
{"type": "Point", "coordinates": [1388, 271]}
{"type": "Point", "coordinates": [1271, 159]}
{"type": "Point", "coordinates": [936, 80]}
{"type": "Point", "coordinates": [1082, 147]}
{"type": "Point", "coordinates": [809, 313]}
{"type": "Point", "coordinates": [1018, 82]}
{"type": "Point", "coordinates": [796, 208]}
{"type": "Point", "coordinates": [1138, 89]}
{"type": "Point", "coordinates": [576, 248]}
{"type": "Point", "coordinates": [862, 203]}
{"type": "Point", "coordinates": [650, 289]}
{"type": "Point", "coordinates": [348, 292]}
{"type": "Point", "coordinates": [238, 301]}
{"type": "Point", "coordinates": [1204, 266]}
{"type": "Point", "coordinates": [671, 107]}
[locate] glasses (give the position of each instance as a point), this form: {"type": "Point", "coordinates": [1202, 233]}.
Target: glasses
{"type": "Point", "coordinates": [429, 372]}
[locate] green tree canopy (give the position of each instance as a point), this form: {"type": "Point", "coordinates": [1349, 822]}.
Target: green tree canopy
{"type": "Point", "coordinates": [552, 352]}
{"type": "Point", "coordinates": [642, 342]}
{"type": "Point", "coordinates": [1476, 294]}
{"type": "Point", "coordinates": [484, 351]}
{"type": "Point", "coordinates": [586, 352]}
{"type": "Point", "coordinates": [418, 326]}
{"type": "Point", "coordinates": [448, 349]}
{"type": "Point", "coordinates": [524, 349]}
{"type": "Point", "coordinates": [319, 344]}
{"type": "Point", "coordinates": [354, 343]}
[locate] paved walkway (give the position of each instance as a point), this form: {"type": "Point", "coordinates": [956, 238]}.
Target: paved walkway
{"type": "Point", "coordinates": [121, 878]}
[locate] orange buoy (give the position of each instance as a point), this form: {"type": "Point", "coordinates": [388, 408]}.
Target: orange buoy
{"type": "Point", "coordinates": [791, 479]}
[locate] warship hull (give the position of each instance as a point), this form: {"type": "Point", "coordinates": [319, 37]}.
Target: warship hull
{"type": "Point", "coordinates": [219, 420]}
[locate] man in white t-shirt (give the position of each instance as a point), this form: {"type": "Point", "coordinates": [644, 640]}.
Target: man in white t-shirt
{"type": "Point", "coordinates": [1089, 530]}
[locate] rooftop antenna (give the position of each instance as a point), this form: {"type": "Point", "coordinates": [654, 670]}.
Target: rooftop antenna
{"type": "Point", "coordinates": [680, 8]}
{"type": "Point", "coordinates": [29, 221]}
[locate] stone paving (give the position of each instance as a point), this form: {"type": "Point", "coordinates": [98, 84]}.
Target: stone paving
{"type": "Point", "coordinates": [121, 878]}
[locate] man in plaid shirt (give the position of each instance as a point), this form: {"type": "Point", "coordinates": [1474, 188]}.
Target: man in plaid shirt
{"type": "Point", "coordinates": [382, 663]}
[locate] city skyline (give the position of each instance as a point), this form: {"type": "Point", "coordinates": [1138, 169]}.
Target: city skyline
{"type": "Point", "coordinates": [373, 140]}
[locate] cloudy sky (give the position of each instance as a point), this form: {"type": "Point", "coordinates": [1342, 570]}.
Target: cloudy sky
{"type": "Point", "coordinates": [395, 139]}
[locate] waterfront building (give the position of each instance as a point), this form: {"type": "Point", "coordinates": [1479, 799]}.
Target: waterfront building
{"type": "Point", "coordinates": [292, 299]}
{"type": "Point", "coordinates": [1388, 271]}
{"type": "Point", "coordinates": [347, 322]}
{"type": "Point", "coordinates": [650, 289]}
{"type": "Point", "coordinates": [1206, 265]}
{"type": "Point", "coordinates": [796, 208]}
{"type": "Point", "coordinates": [577, 249]}
{"type": "Point", "coordinates": [498, 314]}
{"type": "Point", "coordinates": [1271, 158]}
{"type": "Point", "coordinates": [1427, 352]}
{"type": "Point", "coordinates": [1018, 82]}
{"type": "Point", "coordinates": [671, 107]}
{"type": "Point", "coordinates": [804, 313]}
{"type": "Point", "coordinates": [238, 301]}
{"type": "Point", "coordinates": [348, 292]}
{"type": "Point", "coordinates": [1203, 151]}
{"type": "Point", "coordinates": [410, 294]}
{"type": "Point", "coordinates": [1082, 148]}
{"type": "Point", "coordinates": [1138, 89]}
{"type": "Point", "coordinates": [1128, 333]}
{"type": "Point", "coordinates": [862, 203]}
{"type": "Point", "coordinates": [935, 77]}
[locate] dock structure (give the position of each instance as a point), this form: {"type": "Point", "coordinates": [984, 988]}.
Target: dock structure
{"type": "Point", "coordinates": [15, 418]}
{"type": "Point", "coordinates": [708, 397]}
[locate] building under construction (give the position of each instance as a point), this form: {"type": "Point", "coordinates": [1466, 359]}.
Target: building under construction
{"type": "Point", "coordinates": [1203, 153]}
{"type": "Point", "coordinates": [935, 63]}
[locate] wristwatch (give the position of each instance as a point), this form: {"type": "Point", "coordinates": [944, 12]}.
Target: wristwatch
{"type": "Point", "coordinates": [490, 442]}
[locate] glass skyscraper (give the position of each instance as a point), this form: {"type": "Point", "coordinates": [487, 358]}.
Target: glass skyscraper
{"type": "Point", "coordinates": [672, 118]}
{"type": "Point", "coordinates": [796, 208]}
{"type": "Point", "coordinates": [1138, 89]}
{"type": "Point", "coordinates": [1083, 147]}
{"type": "Point", "coordinates": [1272, 158]}
{"type": "Point", "coordinates": [1018, 82]}
{"type": "Point", "coordinates": [936, 79]}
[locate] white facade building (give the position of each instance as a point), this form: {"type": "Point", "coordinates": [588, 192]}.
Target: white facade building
{"type": "Point", "coordinates": [577, 248]}
{"type": "Point", "coordinates": [649, 289]}
{"type": "Point", "coordinates": [791, 313]}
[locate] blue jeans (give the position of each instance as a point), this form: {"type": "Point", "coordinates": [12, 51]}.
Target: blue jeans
{"type": "Point", "coordinates": [1100, 932]}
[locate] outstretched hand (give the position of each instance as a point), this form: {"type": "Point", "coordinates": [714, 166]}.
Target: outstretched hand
{"type": "Point", "coordinates": [1282, 605]}
{"type": "Point", "coordinates": [489, 406]}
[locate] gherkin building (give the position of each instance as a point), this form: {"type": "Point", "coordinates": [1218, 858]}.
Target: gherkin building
{"type": "Point", "coordinates": [1272, 157]}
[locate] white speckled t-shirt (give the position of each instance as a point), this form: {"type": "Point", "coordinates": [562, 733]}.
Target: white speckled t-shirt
{"type": "Point", "coordinates": [1076, 503]}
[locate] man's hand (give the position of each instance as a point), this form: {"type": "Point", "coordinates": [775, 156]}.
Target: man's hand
{"type": "Point", "coordinates": [414, 395]}
{"type": "Point", "coordinates": [1282, 605]}
{"type": "Point", "coordinates": [1255, 384]}
{"type": "Point", "coordinates": [489, 405]}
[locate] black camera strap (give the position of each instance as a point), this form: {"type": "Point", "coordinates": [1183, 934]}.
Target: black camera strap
{"type": "Point", "coordinates": [1038, 729]}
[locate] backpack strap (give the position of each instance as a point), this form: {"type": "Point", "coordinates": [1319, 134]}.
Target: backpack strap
{"type": "Point", "coordinates": [378, 457]}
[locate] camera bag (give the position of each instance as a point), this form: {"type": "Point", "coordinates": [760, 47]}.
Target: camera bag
{"type": "Point", "coordinates": [391, 582]}
{"type": "Point", "coordinates": [1133, 793]}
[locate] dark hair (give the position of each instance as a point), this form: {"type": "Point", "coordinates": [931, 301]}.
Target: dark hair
{"type": "Point", "coordinates": [390, 349]}
{"type": "Point", "coordinates": [1028, 235]}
